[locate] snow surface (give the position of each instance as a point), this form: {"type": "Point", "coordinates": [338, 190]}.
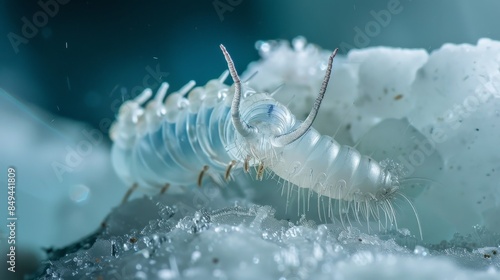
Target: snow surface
{"type": "Point", "coordinates": [180, 237]}
{"type": "Point", "coordinates": [391, 103]}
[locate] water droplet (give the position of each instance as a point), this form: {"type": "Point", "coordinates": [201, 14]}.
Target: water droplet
{"type": "Point", "coordinates": [421, 251]}
{"type": "Point", "coordinates": [265, 235]}
{"type": "Point", "coordinates": [79, 193]}
{"type": "Point", "coordinates": [195, 256]}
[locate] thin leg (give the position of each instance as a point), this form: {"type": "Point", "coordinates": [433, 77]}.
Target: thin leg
{"type": "Point", "coordinates": [200, 177]}
{"type": "Point", "coordinates": [129, 193]}
{"type": "Point", "coordinates": [246, 164]}
{"type": "Point", "coordinates": [228, 170]}
{"type": "Point", "coordinates": [260, 171]}
{"type": "Point", "coordinates": [165, 188]}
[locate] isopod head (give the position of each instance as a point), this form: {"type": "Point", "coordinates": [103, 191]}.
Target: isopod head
{"type": "Point", "coordinates": [264, 124]}
{"type": "Point", "coordinates": [268, 119]}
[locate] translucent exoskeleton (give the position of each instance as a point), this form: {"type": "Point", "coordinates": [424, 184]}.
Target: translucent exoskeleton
{"type": "Point", "coordinates": [217, 128]}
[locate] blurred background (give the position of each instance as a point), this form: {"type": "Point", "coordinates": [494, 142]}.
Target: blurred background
{"type": "Point", "coordinates": [67, 65]}
{"type": "Point", "coordinates": [76, 63]}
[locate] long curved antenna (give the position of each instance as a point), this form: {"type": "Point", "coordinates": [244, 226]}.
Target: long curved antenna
{"type": "Point", "coordinates": [235, 105]}
{"type": "Point", "coordinates": [289, 137]}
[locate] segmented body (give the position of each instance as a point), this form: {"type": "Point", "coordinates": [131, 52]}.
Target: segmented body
{"type": "Point", "coordinates": [218, 128]}
{"type": "Point", "coordinates": [173, 148]}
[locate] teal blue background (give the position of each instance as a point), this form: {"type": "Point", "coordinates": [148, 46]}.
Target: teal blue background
{"type": "Point", "coordinates": [111, 43]}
